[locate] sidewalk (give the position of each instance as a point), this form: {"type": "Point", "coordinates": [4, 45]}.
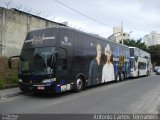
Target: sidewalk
{"type": "Point", "coordinates": [10, 92]}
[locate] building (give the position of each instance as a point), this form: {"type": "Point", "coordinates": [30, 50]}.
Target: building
{"type": "Point", "coordinates": [14, 25]}
{"type": "Point", "coordinates": [152, 39]}
{"type": "Point", "coordinates": [117, 35]}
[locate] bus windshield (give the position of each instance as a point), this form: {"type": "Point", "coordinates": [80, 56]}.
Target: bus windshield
{"type": "Point", "coordinates": [37, 61]}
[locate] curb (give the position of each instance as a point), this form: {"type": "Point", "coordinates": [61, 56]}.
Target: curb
{"type": "Point", "coordinates": [11, 95]}
{"type": "Point", "coordinates": [9, 86]}
{"type": "Point", "coordinates": [7, 95]}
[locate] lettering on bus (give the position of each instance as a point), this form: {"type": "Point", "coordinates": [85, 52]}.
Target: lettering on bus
{"type": "Point", "coordinates": [37, 39]}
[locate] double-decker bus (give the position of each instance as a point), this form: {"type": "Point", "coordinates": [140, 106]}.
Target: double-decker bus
{"type": "Point", "coordinates": [61, 58]}
{"type": "Point", "coordinates": [140, 62]}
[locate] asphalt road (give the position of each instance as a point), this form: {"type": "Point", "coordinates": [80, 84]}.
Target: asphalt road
{"type": "Point", "coordinates": [131, 96]}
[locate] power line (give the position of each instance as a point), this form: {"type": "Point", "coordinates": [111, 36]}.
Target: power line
{"type": "Point", "coordinates": [82, 13]}
{"type": "Point", "coordinates": [7, 4]}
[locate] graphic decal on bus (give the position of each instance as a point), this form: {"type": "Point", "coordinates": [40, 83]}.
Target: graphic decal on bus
{"type": "Point", "coordinates": [101, 69]}
{"type": "Point", "coordinates": [95, 68]}
{"type": "Point", "coordinates": [108, 62]}
{"type": "Point", "coordinates": [108, 68]}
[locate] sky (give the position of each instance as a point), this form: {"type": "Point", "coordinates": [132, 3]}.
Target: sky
{"type": "Point", "coordinates": [97, 16]}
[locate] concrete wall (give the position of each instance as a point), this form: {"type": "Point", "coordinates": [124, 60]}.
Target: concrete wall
{"type": "Point", "coordinates": [14, 26]}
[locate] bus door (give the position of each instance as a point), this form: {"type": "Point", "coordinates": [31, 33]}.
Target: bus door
{"type": "Point", "coordinates": [66, 42]}
{"type": "Point", "coordinates": [61, 72]}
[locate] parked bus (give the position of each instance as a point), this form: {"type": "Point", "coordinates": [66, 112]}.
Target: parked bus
{"type": "Point", "coordinates": [61, 58]}
{"type": "Point", "coordinates": [140, 62]}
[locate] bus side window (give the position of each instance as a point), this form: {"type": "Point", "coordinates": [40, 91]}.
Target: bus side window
{"type": "Point", "coordinates": [62, 60]}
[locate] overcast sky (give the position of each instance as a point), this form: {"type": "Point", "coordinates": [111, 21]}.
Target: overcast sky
{"type": "Point", "coordinates": [139, 16]}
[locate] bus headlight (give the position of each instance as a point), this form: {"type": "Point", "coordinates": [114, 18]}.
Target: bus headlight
{"type": "Point", "coordinates": [20, 80]}
{"type": "Point", "coordinates": [49, 80]}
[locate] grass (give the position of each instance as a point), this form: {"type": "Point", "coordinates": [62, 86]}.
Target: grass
{"type": "Point", "coordinates": [8, 77]}
{"type": "Point", "coordinates": [2, 83]}
{"type": "Point", "coordinates": [14, 79]}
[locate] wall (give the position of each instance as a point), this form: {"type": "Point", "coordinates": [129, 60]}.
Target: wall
{"type": "Point", "coordinates": [14, 26]}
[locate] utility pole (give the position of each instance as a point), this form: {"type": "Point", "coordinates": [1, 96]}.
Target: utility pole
{"type": "Point", "coordinates": [122, 31]}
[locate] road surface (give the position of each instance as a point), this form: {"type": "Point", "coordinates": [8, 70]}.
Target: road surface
{"type": "Point", "coordinates": [130, 96]}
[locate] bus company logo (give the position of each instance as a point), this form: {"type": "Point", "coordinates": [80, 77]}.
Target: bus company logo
{"type": "Point", "coordinates": [37, 39]}
{"type": "Point", "coordinates": [66, 42]}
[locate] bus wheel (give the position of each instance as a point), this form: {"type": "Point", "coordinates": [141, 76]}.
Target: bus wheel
{"type": "Point", "coordinates": [79, 84]}
{"type": "Point", "coordinates": [138, 74]}
{"type": "Point", "coordinates": [122, 77]}
{"type": "Point", "coordinates": [147, 73]}
{"type": "Point", "coordinates": [23, 89]}
{"type": "Point", "coordinates": [117, 78]}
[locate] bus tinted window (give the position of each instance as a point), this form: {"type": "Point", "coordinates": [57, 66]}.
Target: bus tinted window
{"type": "Point", "coordinates": [131, 52]}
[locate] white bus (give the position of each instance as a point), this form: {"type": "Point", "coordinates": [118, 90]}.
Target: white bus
{"type": "Point", "coordinates": [140, 62]}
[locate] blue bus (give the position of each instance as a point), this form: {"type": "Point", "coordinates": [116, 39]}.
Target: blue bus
{"type": "Point", "coordinates": [61, 58]}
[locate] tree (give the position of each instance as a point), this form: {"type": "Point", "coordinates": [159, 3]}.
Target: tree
{"type": "Point", "coordinates": [153, 50]}
{"type": "Point", "coordinates": [135, 43]}
{"type": "Point", "coordinates": [155, 54]}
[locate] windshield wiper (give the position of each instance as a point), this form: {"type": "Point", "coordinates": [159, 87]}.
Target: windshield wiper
{"type": "Point", "coordinates": [53, 60]}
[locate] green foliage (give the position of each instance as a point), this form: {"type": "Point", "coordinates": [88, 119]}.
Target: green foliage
{"type": "Point", "coordinates": [8, 77]}
{"type": "Point", "coordinates": [2, 83]}
{"type": "Point", "coordinates": [155, 54]}
{"type": "Point", "coordinates": [14, 79]}
{"type": "Point", "coordinates": [153, 50]}
{"type": "Point", "coordinates": [135, 43]}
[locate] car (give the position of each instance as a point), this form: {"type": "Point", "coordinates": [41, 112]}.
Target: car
{"type": "Point", "coordinates": [155, 68]}
{"type": "Point", "coordinates": [158, 71]}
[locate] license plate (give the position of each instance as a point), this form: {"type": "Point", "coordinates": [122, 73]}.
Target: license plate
{"type": "Point", "coordinates": [40, 88]}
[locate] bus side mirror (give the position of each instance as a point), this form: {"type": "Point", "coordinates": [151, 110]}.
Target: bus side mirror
{"type": "Point", "coordinates": [13, 62]}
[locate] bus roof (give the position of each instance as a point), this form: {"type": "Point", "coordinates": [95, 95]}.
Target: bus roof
{"type": "Point", "coordinates": [91, 35]}
{"type": "Point", "coordinates": [78, 31]}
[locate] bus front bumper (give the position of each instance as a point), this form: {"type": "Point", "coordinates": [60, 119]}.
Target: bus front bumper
{"type": "Point", "coordinates": [50, 87]}
{"type": "Point", "coordinates": [30, 87]}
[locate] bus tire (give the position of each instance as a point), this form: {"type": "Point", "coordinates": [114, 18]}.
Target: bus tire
{"type": "Point", "coordinates": [22, 89]}
{"type": "Point", "coordinates": [147, 73]}
{"type": "Point", "coordinates": [117, 78]}
{"type": "Point", "coordinates": [79, 84]}
{"type": "Point", "coordinates": [138, 74]}
{"type": "Point", "coordinates": [122, 76]}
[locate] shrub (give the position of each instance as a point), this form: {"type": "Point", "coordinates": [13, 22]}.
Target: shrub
{"type": "Point", "coordinates": [14, 79]}
{"type": "Point", "coordinates": [2, 83]}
